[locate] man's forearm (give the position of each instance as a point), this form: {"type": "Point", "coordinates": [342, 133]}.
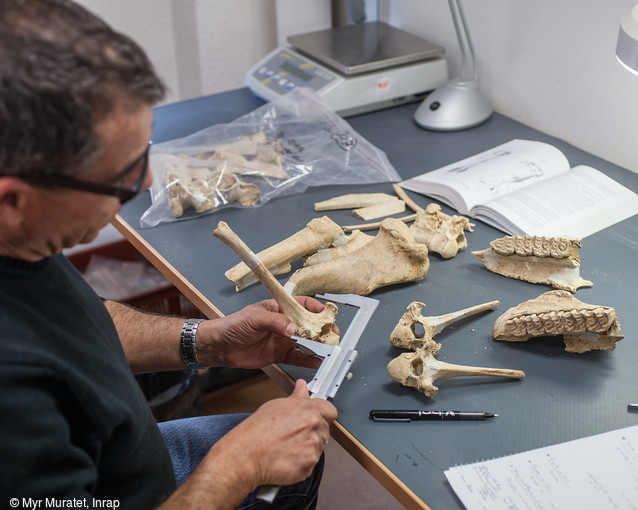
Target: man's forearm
{"type": "Point", "coordinates": [150, 342]}
{"type": "Point", "coordinates": [220, 482]}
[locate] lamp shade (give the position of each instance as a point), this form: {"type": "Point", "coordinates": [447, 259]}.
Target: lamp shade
{"type": "Point", "coordinates": [627, 46]}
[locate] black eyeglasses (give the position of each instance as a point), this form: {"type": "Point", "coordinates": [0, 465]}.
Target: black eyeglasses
{"type": "Point", "coordinates": [123, 193]}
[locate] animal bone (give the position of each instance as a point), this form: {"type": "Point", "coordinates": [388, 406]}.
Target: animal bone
{"type": "Point", "coordinates": [204, 189]}
{"type": "Point", "coordinates": [318, 233]}
{"type": "Point", "coordinates": [441, 216]}
{"type": "Point", "coordinates": [253, 154]}
{"type": "Point", "coordinates": [375, 225]}
{"type": "Point", "coordinates": [247, 145]}
{"type": "Point", "coordinates": [584, 327]}
{"type": "Point", "coordinates": [441, 233]}
{"type": "Point", "coordinates": [404, 334]}
{"type": "Point", "coordinates": [408, 201]}
{"type": "Point", "coordinates": [550, 260]}
{"type": "Point", "coordinates": [391, 257]}
{"type": "Point", "coordinates": [315, 326]}
{"type": "Point", "coordinates": [355, 241]}
{"type": "Point", "coordinates": [380, 210]}
{"type": "Point", "coordinates": [354, 201]}
{"type": "Point", "coordinates": [233, 189]}
{"type": "Point", "coordinates": [420, 369]}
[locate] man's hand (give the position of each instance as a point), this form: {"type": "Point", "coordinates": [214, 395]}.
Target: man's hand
{"type": "Point", "coordinates": [283, 440]}
{"type": "Point", "coordinates": [279, 444]}
{"type": "Point", "coordinates": [254, 337]}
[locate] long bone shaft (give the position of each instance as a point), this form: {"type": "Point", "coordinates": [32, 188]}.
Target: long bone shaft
{"type": "Point", "coordinates": [443, 370]}
{"type": "Point", "coordinates": [315, 326]}
{"type": "Point", "coordinates": [376, 224]}
{"type": "Point", "coordinates": [408, 201]}
{"type": "Point", "coordinates": [440, 322]}
{"type": "Point", "coordinates": [318, 233]}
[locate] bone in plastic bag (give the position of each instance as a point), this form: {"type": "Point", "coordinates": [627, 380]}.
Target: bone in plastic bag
{"type": "Point", "coordinates": [279, 149]}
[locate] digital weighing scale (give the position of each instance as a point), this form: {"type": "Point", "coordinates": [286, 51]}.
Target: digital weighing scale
{"type": "Point", "coordinates": [354, 68]}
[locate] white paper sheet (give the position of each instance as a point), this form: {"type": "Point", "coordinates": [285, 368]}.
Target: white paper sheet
{"type": "Point", "coordinates": [597, 472]}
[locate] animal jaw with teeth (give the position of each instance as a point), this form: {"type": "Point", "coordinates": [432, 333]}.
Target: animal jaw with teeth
{"type": "Point", "coordinates": [584, 327]}
{"type": "Point", "coordinates": [552, 261]}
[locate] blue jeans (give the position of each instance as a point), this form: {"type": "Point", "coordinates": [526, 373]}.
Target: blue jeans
{"type": "Point", "coordinates": [188, 440]}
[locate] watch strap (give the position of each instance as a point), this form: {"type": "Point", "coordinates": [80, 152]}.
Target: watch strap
{"type": "Point", "coordinates": [188, 346]}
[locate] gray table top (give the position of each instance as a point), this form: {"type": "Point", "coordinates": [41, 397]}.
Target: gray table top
{"type": "Point", "coordinates": [564, 396]}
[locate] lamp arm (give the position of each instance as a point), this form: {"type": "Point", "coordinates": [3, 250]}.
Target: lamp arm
{"type": "Point", "coordinates": [469, 68]}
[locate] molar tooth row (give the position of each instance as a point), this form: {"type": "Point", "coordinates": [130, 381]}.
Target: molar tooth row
{"type": "Point", "coordinates": [597, 320]}
{"type": "Point", "coordinates": [538, 246]}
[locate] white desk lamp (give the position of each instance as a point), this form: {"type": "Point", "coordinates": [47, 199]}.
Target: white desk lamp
{"type": "Point", "coordinates": [459, 103]}
{"type": "Point", "coordinates": [627, 46]}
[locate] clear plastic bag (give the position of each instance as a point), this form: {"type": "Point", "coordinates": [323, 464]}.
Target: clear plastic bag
{"type": "Point", "coordinates": [279, 149]}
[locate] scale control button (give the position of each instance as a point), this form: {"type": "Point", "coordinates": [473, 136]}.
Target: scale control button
{"type": "Point", "coordinates": [283, 82]}
{"type": "Point", "coordinates": [290, 85]}
{"type": "Point", "coordinates": [262, 70]}
{"type": "Point", "coordinates": [269, 73]}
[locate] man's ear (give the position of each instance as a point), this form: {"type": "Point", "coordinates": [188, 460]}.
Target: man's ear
{"type": "Point", "coordinates": [13, 199]}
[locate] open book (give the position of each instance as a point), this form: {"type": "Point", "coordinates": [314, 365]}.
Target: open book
{"type": "Point", "coordinates": [527, 187]}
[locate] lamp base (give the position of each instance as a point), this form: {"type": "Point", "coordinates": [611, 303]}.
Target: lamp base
{"type": "Point", "coordinates": [456, 105]}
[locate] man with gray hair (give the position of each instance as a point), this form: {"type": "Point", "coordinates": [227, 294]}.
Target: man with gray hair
{"type": "Point", "coordinates": [76, 114]}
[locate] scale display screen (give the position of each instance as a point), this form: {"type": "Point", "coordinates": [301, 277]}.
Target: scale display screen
{"type": "Point", "coordinates": [295, 71]}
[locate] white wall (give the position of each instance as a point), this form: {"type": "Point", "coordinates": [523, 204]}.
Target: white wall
{"type": "Point", "coordinates": [199, 47]}
{"type": "Point", "coordinates": [550, 64]}
{"type": "Point", "coordinates": [547, 63]}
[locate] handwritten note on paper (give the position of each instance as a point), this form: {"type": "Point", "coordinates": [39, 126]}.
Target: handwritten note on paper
{"type": "Point", "coordinates": [591, 473]}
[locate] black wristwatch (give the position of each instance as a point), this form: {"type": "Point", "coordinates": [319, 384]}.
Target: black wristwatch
{"type": "Point", "coordinates": [188, 345]}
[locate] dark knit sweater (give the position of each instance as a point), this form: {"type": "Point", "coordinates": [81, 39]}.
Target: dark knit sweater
{"type": "Point", "coordinates": [73, 421]}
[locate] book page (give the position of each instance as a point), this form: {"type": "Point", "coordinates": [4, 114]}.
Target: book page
{"type": "Point", "coordinates": [578, 203]}
{"type": "Point", "coordinates": [490, 174]}
{"type": "Point", "coordinates": [594, 472]}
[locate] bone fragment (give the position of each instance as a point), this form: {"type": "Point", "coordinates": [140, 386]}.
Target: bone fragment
{"type": "Point", "coordinates": [233, 189]}
{"type": "Point", "coordinates": [354, 201]}
{"type": "Point", "coordinates": [203, 190]}
{"type": "Point", "coordinates": [354, 241]}
{"type": "Point", "coordinates": [419, 369]}
{"type": "Point", "coordinates": [318, 233]}
{"type": "Point", "coordinates": [584, 327]}
{"type": "Point", "coordinates": [254, 154]}
{"type": "Point", "coordinates": [404, 334]}
{"type": "Point", "coordinates": [391, 257]}
{"type": "Point", "coordinates": [443, 234]}
{"type": "Point", "coordinates": [229, 156]}
{"type": "Point", "coordinates": [210, 179]}
{"type": "Point", "coordinates": [408, 201]}
{"type": "Point", "coordinates": [380, 210]}
{"type": "Point", "coordinates": [314, 326]}
{"type": "Point", "coordinates": [375, 225]}
{"type": "Point", "coordinates": [247, 145]}
{"type": "Point", "coordinates": [549, 260]}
